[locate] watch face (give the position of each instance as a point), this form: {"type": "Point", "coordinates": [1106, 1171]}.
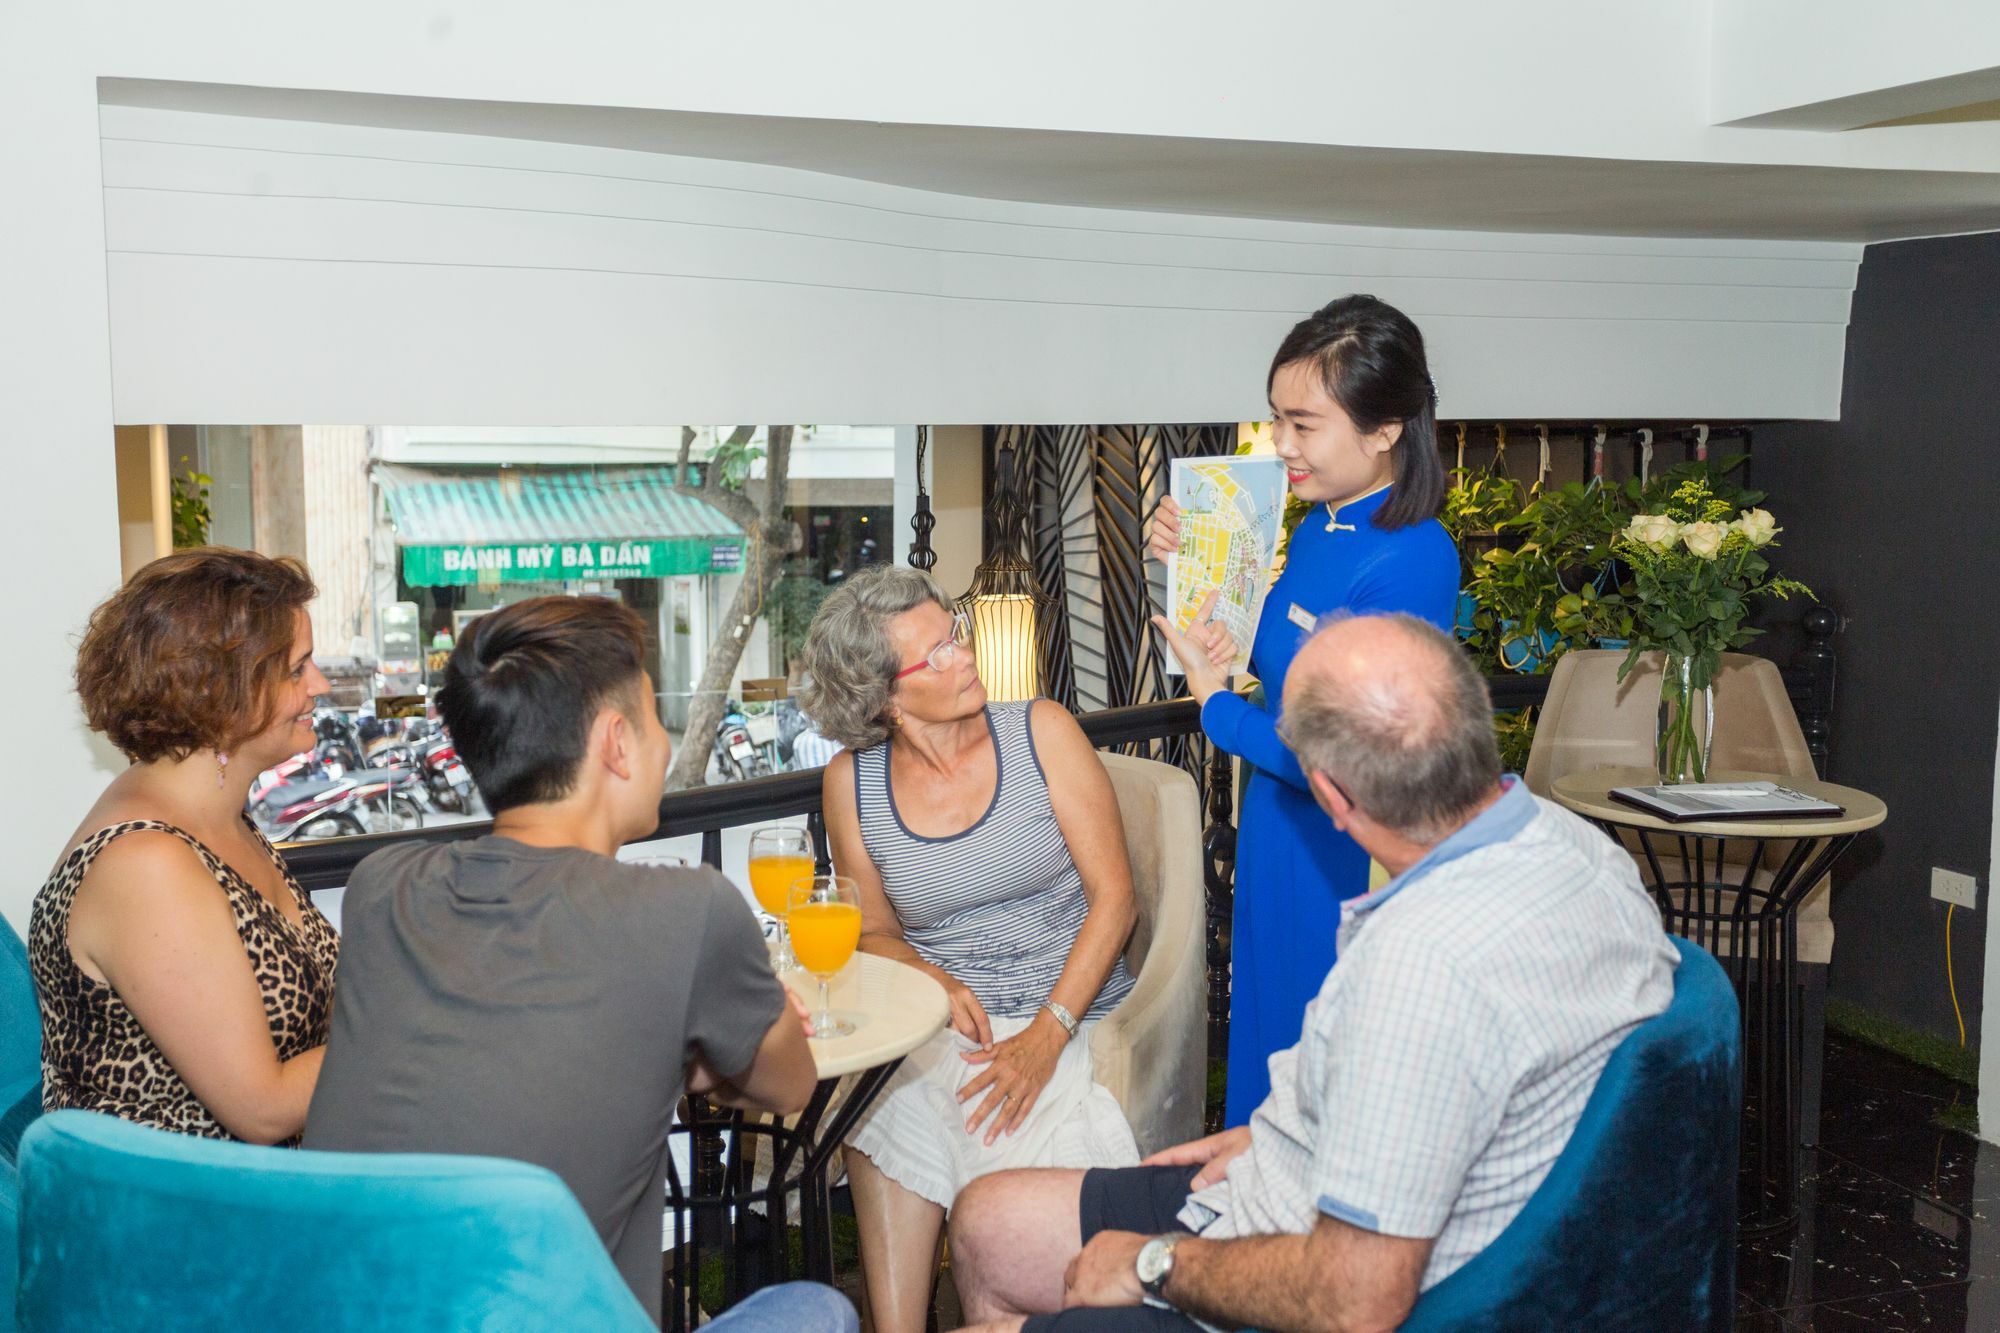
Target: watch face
{"type": "Point", "coordinates": [1156, 1260]}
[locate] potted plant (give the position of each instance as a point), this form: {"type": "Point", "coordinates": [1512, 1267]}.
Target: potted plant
{"type": "Point", "coordinates": [1573, 525]}
{"type": "Point", "coordinates": [1697, 560]}
{"type": "Point", "coordinates": [1475, 510]}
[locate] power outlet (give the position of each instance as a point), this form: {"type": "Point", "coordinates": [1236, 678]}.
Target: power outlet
{"type": "Point", "coordinates": [1948, 886]}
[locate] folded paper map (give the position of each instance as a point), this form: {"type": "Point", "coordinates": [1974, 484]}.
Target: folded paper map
{"type": "Point", "coordinates": [1231, 513]}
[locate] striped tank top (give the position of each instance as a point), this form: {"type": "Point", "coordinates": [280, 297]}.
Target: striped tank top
{"type": "Point", "coordinates": [999, 905]}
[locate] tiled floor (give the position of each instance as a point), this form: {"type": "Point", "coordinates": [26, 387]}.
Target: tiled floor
{"type": "Point", "coordinates": [1899, 1217]}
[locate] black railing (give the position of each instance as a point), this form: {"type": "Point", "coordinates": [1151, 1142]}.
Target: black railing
{"type": "Point", "coordinates": [1154, 728]}
{"type": "Point", "coordinates": [707, 811]}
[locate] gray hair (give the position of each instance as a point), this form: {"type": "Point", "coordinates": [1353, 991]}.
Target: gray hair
{"type": "Point", "coordinates": [850, 657]}
{"type": "Point", "coordinates": [1411, 743]}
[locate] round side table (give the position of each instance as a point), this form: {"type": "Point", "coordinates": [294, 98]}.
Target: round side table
{"type": "Point", "coordinates": [894, 1009]}
{"type": "Point", "coordinates": [1734, 886]}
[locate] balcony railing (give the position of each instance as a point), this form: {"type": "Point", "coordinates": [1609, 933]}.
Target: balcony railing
{"type": "Point", "coordinates": [1169, 731]}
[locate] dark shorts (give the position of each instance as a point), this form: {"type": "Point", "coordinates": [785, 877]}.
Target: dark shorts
{"type": "Point", "coordinates": [1132, 1198]}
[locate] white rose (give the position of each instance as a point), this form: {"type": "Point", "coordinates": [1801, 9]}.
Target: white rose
{"type": "Point", "coordinates": [1757, 526]}
{"type": "Point", "coordinates": [1654, 530]}
{"type": "Point", "coordinates": [1703, 539]}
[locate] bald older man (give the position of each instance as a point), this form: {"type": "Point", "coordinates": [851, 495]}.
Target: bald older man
{"type": "Point", "coordinates": [1441, 1068]}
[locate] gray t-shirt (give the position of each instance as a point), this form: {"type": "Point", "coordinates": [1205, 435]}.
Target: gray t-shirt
{"type": "Point", "coordinates": [539, 1004]}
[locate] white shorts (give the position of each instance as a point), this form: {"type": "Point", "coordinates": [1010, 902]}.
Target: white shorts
{"type": "Point", "coordinates": [915, 1132]}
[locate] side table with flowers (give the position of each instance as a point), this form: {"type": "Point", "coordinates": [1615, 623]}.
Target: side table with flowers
{"type": "Point", "coordinates": [1696, 564]}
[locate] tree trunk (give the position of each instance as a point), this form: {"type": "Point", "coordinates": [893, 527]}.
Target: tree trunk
{"type": "Point", "coordinates": [762, 561]}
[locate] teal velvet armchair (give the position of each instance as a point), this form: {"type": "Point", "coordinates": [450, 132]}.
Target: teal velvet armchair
{"type": "Point", "coordinates": [128, 1227]}
{"type": "Point", "coordinates": [1635, 1225]}
{"type": "Point", "coordinates": [20, 1042]}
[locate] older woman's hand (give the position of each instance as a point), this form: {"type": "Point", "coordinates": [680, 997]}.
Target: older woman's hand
{"type": "Point", "coordinates": [1017, 1070]}
{"type": "Point", "coordinates": [968, 1015]}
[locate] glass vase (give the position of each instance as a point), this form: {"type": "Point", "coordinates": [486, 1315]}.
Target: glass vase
{"type": "Point", "coordinates": [1684, 733]}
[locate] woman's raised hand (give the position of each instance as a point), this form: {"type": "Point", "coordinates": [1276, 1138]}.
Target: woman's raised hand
{"type": "Point", "coordinates": [1205, 651]}
{"type": "Point", "coordinates": [1166, 535]}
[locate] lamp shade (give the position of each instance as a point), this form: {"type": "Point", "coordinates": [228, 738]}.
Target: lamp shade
{"type": "Point", "coordinates": [1011, 618]}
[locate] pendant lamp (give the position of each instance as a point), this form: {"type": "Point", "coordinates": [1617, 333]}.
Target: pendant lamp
{"type": "Point", "coordinates": [1012, 617]}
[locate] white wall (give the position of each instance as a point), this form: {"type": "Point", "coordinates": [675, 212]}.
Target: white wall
{"type": "Point", "coordinates": [461, 278]}
{"type": "Point", "coordinates": [1521, 324]}
{"type": "Point", "coordinates": [1563, 77]}
{"type": "Point", "coordinates": [61, 533]}
{"type": "Point", "coordinates": [1832, 64]}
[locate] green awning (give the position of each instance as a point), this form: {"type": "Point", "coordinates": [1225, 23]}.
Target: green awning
{"type": "Point", "coordinates": [536, 525]}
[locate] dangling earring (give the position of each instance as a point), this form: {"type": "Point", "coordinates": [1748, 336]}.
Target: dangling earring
{"type": "Point", "coordinates": [221, 768]}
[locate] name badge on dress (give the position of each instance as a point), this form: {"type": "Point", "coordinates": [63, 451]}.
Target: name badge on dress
{"type": "Point", "coordinates": [1303, 618]}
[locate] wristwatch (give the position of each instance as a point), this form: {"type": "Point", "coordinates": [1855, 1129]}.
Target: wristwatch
{"type": "Point", "coordinates": [1063, 1016]}
{"type": "Point", "coordinates": [1155, 1263]}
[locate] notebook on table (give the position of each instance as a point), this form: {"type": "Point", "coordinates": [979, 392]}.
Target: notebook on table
{"type": "Point", "coordinates": [1688, 802]}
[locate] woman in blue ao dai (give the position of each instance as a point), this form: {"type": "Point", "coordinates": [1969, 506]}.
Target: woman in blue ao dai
{"type": "Point", "coordinates": [1354, 418]}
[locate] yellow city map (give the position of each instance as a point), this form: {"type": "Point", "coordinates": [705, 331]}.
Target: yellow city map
{"type": "Point", "coordinates": [1230, 514]}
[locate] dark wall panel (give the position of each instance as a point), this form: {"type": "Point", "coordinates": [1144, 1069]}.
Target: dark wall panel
{"type": "Point", "coordinates": [1889, 514]}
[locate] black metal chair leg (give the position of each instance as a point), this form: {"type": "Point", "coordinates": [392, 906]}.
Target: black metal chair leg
{"type": "Point", "coordinates": [1812, 1050]}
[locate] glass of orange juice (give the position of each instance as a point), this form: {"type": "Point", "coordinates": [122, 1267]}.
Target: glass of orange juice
{"type": "Point", "coordinates": [779, 858]}
{"type": "Point", "coordinates": [825, 922]}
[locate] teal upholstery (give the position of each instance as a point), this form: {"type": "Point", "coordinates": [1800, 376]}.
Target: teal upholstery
{"type": "Point", "coordinates": [128, 1227]}
{"type": "Point", "coordinates": [10, 1224]}
{"type": "Point", "coordinates": [1635, 1225]}
{"type": "Point", "coordinates": [20, 1042]}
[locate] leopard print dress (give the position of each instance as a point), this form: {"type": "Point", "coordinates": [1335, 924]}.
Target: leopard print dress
{"type": "Point", "coordinates": [96, 1057]}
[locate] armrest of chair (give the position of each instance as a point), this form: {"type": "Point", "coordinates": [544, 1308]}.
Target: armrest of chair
{"type": "Point", "coordinates": [1150, 1051]}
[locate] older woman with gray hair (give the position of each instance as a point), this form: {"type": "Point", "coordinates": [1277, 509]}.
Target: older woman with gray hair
{"type": "Point", "coordinates": [986, 845]}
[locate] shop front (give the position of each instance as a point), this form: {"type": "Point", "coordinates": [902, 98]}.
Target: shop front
{"type": "Point", "coordinates": [468, 541]}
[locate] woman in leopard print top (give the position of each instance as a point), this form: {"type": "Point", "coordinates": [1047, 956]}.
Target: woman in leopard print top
{"type": "Point", "coordinates": [185, 978]}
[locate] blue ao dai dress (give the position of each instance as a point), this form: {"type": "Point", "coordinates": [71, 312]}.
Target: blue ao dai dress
{"type": "Point", "coordinates": [1293, 867]}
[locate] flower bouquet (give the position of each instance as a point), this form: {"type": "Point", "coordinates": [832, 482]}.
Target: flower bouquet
{"type": "Point", "coordinates": [1695, 566]}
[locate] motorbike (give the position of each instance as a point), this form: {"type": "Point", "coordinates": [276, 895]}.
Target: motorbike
{"type": "Point", "coordinates": [449, 785]}
{"type": "Point", "coordinates": [326, 791]}
{"type": "Point", "coordinates": [738, 752]}
{"type": "Point", "coordinates": [381, 800]}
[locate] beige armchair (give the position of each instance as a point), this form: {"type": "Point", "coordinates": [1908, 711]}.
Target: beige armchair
{"type": "Point", "coordinates": [1592, 720]}
{"type": "Point", "coordinates": [1151, 1051]}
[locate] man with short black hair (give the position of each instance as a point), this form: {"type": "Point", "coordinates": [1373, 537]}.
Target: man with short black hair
{"type": "Point", "coordinates": [526, 994]}
{"type": "Point", "coordinates": [1441, 1069]}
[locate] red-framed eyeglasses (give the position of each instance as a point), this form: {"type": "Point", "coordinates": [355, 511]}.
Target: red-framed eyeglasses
{"type": "Point", "coordinates": [940, 657]}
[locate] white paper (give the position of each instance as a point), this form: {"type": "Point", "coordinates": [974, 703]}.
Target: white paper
{"type": "Point", "coordinates": [1723, 800]}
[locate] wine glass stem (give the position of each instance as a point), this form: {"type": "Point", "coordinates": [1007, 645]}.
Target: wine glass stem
{"type": "Point", "coordinates": [825, 1021]}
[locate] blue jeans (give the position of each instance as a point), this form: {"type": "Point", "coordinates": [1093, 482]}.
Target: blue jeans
{"type": "Point", "coordinates": [791, 1307]}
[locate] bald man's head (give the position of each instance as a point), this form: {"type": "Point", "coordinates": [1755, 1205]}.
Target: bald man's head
{"type": "Point", "coordinates": [1393, 712]}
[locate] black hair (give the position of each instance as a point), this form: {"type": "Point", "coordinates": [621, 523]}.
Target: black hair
{"type": "Point", "coordinates": [1371, 361]}
{"type": "Point", "coordinates": [525, 683]}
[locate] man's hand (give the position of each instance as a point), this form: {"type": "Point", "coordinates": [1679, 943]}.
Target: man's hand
{"type": "Point", "coordinates": [799, 1008]}
{"type": "Point", "coordinates": [1214, 1153]}
{"type": "Point", "coordinates": [1106, 1272]}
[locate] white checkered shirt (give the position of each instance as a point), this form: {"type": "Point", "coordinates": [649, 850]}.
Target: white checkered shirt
{"type": "Point", "coordinates": [1451, 1049]}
